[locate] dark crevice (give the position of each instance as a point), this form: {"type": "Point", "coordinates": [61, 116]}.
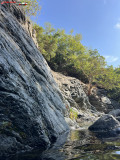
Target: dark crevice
{"type": "Point", "coordinates": [8, 91]}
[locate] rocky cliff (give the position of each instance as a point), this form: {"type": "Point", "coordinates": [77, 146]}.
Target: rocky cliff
{"type": "Point", "coordinates": [76, 101]}
{"type": "Point", "coordinates": [31, 107]}
{"type": "Point", "coordinates": [88, 109]}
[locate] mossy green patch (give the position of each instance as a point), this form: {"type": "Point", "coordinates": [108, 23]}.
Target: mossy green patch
{"type": "Point", "coordinates": [73, 114]}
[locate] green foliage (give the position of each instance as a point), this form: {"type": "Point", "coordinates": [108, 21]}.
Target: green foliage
{"type": "Point", "coordinates": [73, 114]}
{"type": "Point", "coordinates": [114, 91]}
{"type": "Point", "coordinates": [114, 94]}
{"type": "Point", "coordinates": [65, 53]}
{"type": "Point", "coordinates": [58, 48]}
{"type": "Point", "coordinates": [110, 79]}
{"type": "Point", "coordinates": [92, 65]}
{"type": "Point", "coordinates": [69, 47]}
{"type": "Point", "coordinates": [47, 41]}
{"type": "Point", "coordinates": [32, 7]}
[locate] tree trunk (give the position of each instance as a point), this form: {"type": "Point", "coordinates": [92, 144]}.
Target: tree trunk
{"type": "Point", "coordinates": [89, 89]}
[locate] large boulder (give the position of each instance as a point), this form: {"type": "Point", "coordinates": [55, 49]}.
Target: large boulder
{"type": "Point", "coordinates": [107, 123]}
{"type": "Point", "coordinates": [31, 104]}
{"type": "Point", "coordinates": [115, 113]}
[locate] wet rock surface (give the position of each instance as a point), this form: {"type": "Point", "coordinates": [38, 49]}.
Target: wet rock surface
{"type": "Point", "coordinates": [31, 107]}
{"type": "Point", "coordinates": [82, 144]}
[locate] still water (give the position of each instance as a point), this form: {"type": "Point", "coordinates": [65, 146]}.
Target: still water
{"type": "Point", "coordinates": [80, 145]}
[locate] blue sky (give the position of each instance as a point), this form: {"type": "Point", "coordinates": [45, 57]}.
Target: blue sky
{"type": "Point", "coordinates": [98, 21]}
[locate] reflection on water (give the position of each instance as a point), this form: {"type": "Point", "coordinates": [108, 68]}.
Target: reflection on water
{"type": "Point", "coordinates": [80, 145]}
{"type": "Point", "coordinates": [117, 152]}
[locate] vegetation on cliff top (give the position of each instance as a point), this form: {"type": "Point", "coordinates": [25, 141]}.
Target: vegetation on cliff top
{"type": "Point", "coordinates": [65, 53]}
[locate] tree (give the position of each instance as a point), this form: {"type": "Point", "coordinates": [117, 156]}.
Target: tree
{"type": "Point", "coordinates": [69, 46]}
{"type": "Point", "coordinates": [47, 41]}
{"type": "Point", "coordinates": [112, 80]}
{"type": "Point", "coordinates": [64, 52]}
{"type": "Point", "coordinates": [92, 65]}
{"type": "Point", "coordinates": [32, 7]}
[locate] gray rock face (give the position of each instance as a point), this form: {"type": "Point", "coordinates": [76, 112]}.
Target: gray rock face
{"type": "Point", "coordinates": [107, 123]}
{"type": "Point", "coordinates": [115, 113]}
{"type": "Point", "coordinates": [76, 99]}
{"type": "Point", "coordinates": [31, 107]}
{"type": "Point", "coordinates": [101, 102]}
{"type": "Point", "coordinates": [72, 91]}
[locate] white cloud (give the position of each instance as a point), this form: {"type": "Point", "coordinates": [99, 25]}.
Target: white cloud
{"type": "Point", "coordinates": [117, 25]}
{"type": "Point", "coordinates": [111, 58]}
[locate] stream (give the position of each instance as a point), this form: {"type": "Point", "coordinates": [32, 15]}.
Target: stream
{"type": "Point", "coordinates": [80, 145]}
